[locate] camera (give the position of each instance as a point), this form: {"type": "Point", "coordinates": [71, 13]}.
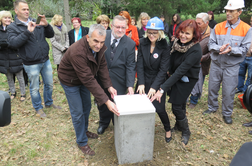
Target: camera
{"type": "Point", "coordinates": [5, 109]}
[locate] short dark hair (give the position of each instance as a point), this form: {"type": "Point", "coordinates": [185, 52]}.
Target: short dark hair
{"type": "Point", "coordinates": [16, 3]}
{"type": "Point", "coordinates": [191, 24]}
{"type": "Point", "coordinates": [161, 16]}
{"type": "Point", "coordinates": [211, 13]}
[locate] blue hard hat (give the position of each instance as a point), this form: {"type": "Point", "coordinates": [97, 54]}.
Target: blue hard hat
{"type": "Point", "coordinates": [155, 23]}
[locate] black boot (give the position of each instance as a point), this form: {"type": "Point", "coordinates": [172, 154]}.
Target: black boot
{"type": "Point", "coordinates": [176, 127]}
{"type": "Point", "coordinates": [185, 130]}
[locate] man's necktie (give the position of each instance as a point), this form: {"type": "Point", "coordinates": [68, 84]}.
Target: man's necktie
{"type": "Point", "coordinates": [113, 44]}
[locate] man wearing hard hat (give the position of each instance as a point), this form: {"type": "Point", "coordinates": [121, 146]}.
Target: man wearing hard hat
{"type": "Point", "coordinates": [228, 44]}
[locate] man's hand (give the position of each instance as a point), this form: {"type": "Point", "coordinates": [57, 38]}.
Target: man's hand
{"type": "Point", "coordinates": [43, 21]}
{"type": "Point", "coordinates": [112, 107]}
{"type": "Point", "coordinates": [157, 96]}
{"type": "Point", "coordinates": [31, 26]}
{"type": "Point", "coordinates": [151, 92]}
{"type": "Point", "coordinates": [130, 91]}
{"type": "Point", "coordinates": [140, 89]}
{"type": "Point", "coordinates": [225, 49]}
{"type": "Point", "coordinates": [112, 91]}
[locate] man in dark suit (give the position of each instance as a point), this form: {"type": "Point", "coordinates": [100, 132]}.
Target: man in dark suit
{"type": "Point", "coordinates": [120, 57]}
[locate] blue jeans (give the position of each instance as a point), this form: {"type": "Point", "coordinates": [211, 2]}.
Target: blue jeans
{"type": "Point", "coordinates": [33, 72]}
{"type": "Point", "coordinates": [79, 103]}
{"type": "Point", "coordinates": [246, 64]}
{"type": "Point", "coordinates": [194, 99]}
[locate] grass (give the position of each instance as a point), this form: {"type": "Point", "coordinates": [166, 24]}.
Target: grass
{"type": "Point", "coordinates": [31, 141]}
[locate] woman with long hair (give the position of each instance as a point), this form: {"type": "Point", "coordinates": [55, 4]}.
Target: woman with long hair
{"type": "Point", "coordinates": [141, 24]}
{"type": "Point", "coordinates": [176, 21]}
{"type": "Point", "coordinates": [184, 70]}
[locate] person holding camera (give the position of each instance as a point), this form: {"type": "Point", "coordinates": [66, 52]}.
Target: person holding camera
{"type": "Point", "coordinates": [28, 36]}
{"type": "Point", "coordinates": [10, 62]}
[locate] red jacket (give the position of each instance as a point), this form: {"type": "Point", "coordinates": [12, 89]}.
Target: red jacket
{"type": "Point", "coordinates": [134, 32]}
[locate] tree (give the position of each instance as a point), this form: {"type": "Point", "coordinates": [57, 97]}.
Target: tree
{"type": "Point", "coordinates": [67, 14]}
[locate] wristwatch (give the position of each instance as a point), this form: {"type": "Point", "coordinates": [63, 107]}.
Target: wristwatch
{"type": "Point", "coordinates": [161, 90]}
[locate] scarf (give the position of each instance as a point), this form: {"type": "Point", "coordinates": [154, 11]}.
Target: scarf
{"type": "Point", "coordinates": [59, 27]}
{"type": "Point", "coordinates": [79, 34]}
{"type": "Point", "coordinates": [176, 46]}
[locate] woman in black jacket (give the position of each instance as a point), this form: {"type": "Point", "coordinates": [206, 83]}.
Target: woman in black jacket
{"type": "Point", "coordinates": [152, 65]}
{"type": "Point", "coordinates": [10, 62]}
{"type": "Point", "coordinates": [78, 32]}
{"type": "Point", "coordinates": [176, 21]}
{"type": "Point", "coordinates": [212, 22]}
{"type": "Point", "coordinates": [184, 70]}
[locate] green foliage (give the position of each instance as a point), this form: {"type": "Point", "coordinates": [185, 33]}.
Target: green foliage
{"type": "Point", "coordinates": [96, 11]}
{"type": "Point", "coordinates": [47, 7]}
{"type": "Point", "coordinates": [6, 5]}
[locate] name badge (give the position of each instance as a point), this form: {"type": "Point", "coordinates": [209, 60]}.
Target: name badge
{"type": "Point", "coordinates": [155, 55]}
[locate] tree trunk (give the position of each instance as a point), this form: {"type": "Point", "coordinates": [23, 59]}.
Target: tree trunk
{"type": "Point", "coordinates": [67, 15]}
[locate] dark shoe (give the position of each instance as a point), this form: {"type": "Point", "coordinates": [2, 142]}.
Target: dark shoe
{"type": "Point", "coordinates": [249, 124]}
{"type": "Point", "coordinates": [41, 114]}
{"type": "Point", "coordinates": [208, 112]}
{"type": "Point", "coordinates": [191, 105]}
{"type": "Point", "coordinates": [13, 95]}
{"type": "Point", "coordinates": [176, 127]}
{"type": "Point", "coordinates": [228, 119]}
{"type": "Point", "coordinates": [86, 150]}
{"type": "Point", "coordinates": [168, 139]}
{"type": "Point", "coordinates": [238, 91]}
{"type": "Point", "coordinates": [54, 106]}
{"type": "Point", "coordinates": [22, 98]}
{"type": "Point", "coordinates": [101, 129]}
{"type": "Point", "coordinates": [91, 135]}
{"type": "Point", "coordinates": [185, 130]}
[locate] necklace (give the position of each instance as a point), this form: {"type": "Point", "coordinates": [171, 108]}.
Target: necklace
{"type": "Point", "coordinates": [152, 47]}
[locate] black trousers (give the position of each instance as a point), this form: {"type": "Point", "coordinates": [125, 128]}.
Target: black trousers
{"type": "Point", "coordinates": [179, 110]}
{"type": "Point", "coordinates": [105, 115]}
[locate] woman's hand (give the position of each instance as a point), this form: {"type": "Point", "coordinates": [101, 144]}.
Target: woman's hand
{"type": "Point", "coordinates": [157, 97]}
{"type": "Point", "coordinates": [130, 34]}
{"type": "Point", "coordinates": [172, 38]}
{"type": "Point", "coordinates": [151, 92]}
{"type": "Point", "coordinates": [140, 89]}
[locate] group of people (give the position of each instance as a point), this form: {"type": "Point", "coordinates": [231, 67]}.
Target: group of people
{"type": "Point", "coordinates": [102, 60]}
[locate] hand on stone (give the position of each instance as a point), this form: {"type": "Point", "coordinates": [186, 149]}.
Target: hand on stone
{"type": "Point", "coordinates": [112, 107]}
{"type": "Point", "coordinates": [140, 89]}
{"type": "Point", "coordinates": [151, 92]}
{"type": "Point", "coordinates": [130, 91]}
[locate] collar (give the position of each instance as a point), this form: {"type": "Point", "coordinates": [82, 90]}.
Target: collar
{"type": "Point", "coordinates": [233, 26]}
{"type": "Point", "coordinates": [112, 38]}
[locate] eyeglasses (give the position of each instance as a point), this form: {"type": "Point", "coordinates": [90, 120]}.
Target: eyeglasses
{"type": "Point", "coordinates": [152, 33]}
{"type": "Point", "coordinates": [118, 27]}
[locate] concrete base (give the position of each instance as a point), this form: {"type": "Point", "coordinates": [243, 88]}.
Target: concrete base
{"type": "Point", "coordinates": [134, 137]}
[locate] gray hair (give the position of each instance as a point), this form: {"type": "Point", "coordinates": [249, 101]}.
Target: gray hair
{"type": "Point", "coordinates": [118, 17]}
{"type": "Point", "coordinates": [203, 16]}
{"type": "Point", "coordinates": [101, 30]}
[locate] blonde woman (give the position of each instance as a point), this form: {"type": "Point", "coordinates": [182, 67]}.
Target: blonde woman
{"type": "Point", "coordinates": [10, 61]}
{"type": "Point", "coordinates": [104, 21]}
{"type": "Point", "coordinates": [141, 24]}
{"type": "Point", "coordinates": [60, 41]}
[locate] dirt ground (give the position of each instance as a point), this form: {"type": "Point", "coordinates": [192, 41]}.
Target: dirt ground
{"type": "Point", "coordinates": [29, 140]}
